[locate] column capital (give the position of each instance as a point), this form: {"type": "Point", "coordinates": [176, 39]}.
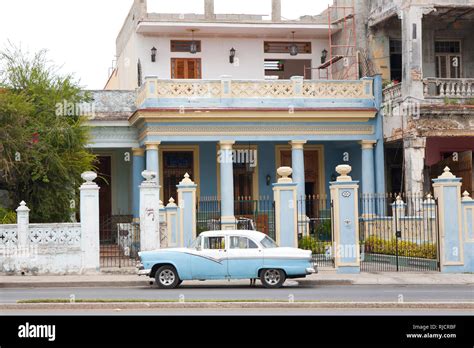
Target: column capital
{"type": "Point", "coordinates": [226, 144]}
{"type": "Point", "coordinates": [138, 152]}
{"type": "Point", "coordinates": [152, 145]}
{"type": "Point", "coordinates": [297, 144]}
{"type": "Point", "coordinates": [368, 144]}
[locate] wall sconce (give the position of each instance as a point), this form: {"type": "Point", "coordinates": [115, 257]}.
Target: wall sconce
{"type": "Point", "coordinates": [269, 180]}
{"type": "Point", "coordinates": [324, 55]}
{"type": "Point", "coordinates": [334, 177]}
{"type": "Point", "coordinates": [293, 46]}
{"type": "Point", "coordinates": [231, 55]}
{"type": "Point", "coordinates": [153, 54]}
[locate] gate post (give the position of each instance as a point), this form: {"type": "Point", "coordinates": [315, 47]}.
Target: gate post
{"type": "Point", "coordinates": [447, 189]}
{"type": "Point", "coordinates": [286, 215]}
{"type": "Point", "coordinates": [344, 194]}
{"type": "Point", "coordinates": [172, 224]}
{"type": "Point", "coordinates": [468, 227]}
{"type": "Point", "coordinates": [90, 240]}
{"type": "Point", "coordinates": [187, 211]}
{"type": "Point", "coordinates": [149, 212]}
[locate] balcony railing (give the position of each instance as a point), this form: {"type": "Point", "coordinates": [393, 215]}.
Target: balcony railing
{"type": "Point", "coordinates": [257, 92]}
{"type": "Point", "coordinates": [392, 93]}
{"type": "Point", "coordinates": [448, 88]}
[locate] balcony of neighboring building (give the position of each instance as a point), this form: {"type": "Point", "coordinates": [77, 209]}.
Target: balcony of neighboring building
{"type": "Point", "coordinates": [432, 61]}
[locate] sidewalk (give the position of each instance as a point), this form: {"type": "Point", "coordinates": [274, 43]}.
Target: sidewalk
{"type": "Point", "coordinates": [325, 277]}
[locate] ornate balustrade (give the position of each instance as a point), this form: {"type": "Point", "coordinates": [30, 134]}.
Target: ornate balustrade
{"type": "Point", "coordinates": [448, 88]}
{"type": "Point", "coordinates": [66, 234]}
{"type": "Point", "coordinates": [226, 88]}
{"type": "Point", "coordinates": [8, 235]}
{"type": "Point", "coordinates": [392, 93]}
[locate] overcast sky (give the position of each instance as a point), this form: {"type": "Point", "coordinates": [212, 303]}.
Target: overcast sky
{"type": "Point", "coordinates": [80, 34]}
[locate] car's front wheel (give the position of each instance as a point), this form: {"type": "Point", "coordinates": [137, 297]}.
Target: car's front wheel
{"type": "Point", "coordinates": [272, 278]}
{"type": "Point", "coordinates": [166, 277]}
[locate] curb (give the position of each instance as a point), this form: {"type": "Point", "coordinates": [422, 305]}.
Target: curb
{"type": "Point", "coordinates": [237, 305]}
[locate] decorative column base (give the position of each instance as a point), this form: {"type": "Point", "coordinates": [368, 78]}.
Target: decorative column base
{"type": "Point", "coordinates": [228, 223]}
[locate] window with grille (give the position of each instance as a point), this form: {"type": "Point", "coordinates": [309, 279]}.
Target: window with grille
{"type": "Point", "coordinates": [184, 45]}
{"type": "Point", "coordinates": [284, 47]}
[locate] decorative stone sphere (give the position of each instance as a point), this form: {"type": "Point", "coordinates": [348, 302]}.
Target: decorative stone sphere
{"type": "Point", "coordinates": [89, 177]}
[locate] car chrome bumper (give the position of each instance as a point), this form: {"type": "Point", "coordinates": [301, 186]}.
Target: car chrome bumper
{"type": "Point", "coordinates": [141, 271]}
{"type": "Point", "coordinates": [312, 270]}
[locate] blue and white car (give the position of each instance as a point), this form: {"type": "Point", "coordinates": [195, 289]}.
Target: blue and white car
{"type": "Point", "coordinates": [227, 255]}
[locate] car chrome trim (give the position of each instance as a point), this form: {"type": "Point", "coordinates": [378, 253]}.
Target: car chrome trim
{"type": "Point", "coordinates": [310, 270]}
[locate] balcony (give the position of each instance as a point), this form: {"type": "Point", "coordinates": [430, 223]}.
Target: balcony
{"type": "Point", "coordinates": [438, 88]}
{"type": "Point", "coordinates": [228, 93]}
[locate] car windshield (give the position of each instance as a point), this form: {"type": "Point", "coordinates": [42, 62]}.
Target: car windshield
{"type": "Point", "coordinates": [268, 243]}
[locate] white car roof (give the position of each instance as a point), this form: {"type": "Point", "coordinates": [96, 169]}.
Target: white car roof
{"type": "Point", "coordinates": [245, 233]}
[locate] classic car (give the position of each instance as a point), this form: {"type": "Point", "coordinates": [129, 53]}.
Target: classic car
{"type": "Point", "coordinates": [227, 255]}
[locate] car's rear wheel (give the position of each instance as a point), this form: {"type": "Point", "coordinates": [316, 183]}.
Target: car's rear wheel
{"type": "Point", "coordinates": [166, 277]}
{"type": "Point", "coordinates": [272, 278]}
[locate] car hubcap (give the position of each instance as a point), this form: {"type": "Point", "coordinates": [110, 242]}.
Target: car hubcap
{"type": "Point", "coordinates": [167, 277]}
{"type": "Point", "coordinates": [272, 277]}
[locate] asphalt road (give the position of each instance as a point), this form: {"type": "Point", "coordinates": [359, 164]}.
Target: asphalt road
{"type": "Point", "coordinates": [329, 293]}
{"type": "Point", "coordinates": [246, 311]}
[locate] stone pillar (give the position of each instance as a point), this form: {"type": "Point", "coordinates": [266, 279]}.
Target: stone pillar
{"type": "Point", "coordinates": [346, 248]}
{"type": "Point", "coordinates": [152, 162]}
{"type": "Point", "coordinates": [286, 216]}
{"type": "Point", "coordinates": [412, 50]}
{"type": "Point", "coordinates": [414, 157]}
{"type": "Point", "coordinates": [209, 13]}
{"type": "Point", "coordinates": [149, 212]}
{"type": "Point", "coordinates": [227, 185]}
{"type": "Point", "coordinates": [187, 210]}
{"type": "Point", "coordinates": [447, 189]}
{"type": "Point", "coordinates": [89, 204]}
{"type": "Point", "coordinates": [23, 221]}
{"type": "Point", "coordinates": [138, 166]}
{"type": "Point", "coordinates": [276, 10]}
{"type": "Point", "coordinates": [468, 228]}
{"type": "Point", "coordinates": [368, 169]}
{"type": "Point", "coordinates": [173, 237]}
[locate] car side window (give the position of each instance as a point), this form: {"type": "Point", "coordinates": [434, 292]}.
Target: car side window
{"type": "Point", "coordinates": [214, 243]}
{"type": "Point", "coordinates": [242, 243]}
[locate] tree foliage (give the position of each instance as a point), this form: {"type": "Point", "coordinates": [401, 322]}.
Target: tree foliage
{"type": "Point", "coordinates": [42, 153]}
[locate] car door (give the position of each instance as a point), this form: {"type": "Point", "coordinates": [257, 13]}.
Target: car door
{"type": "Point", "coordinates": [244, 257]}
{"type": "Point", "coordinates": [210, 260]}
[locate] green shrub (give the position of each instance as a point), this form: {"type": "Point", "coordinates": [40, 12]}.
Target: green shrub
{"type": "Point", "coordinates": [7, 216]}
{"type": "Point", "coordinates": [316, 246]}
{"type": "Point", "coordinates": [378, 245]}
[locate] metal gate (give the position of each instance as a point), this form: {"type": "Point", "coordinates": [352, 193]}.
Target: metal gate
{"type": "Point", "coordinates": [399, 233]}
{"type": "Point", "coordinates": [119, 241]}
{"type": "Point", "coordinates": [315, 228]}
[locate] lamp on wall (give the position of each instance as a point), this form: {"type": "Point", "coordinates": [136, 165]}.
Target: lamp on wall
{"type": "Point", "coordinates": [193, 47]}
{"type": "Point", "coordinates": [324, 55]}
{"type": "Point", "coordinates": [153, 54]}
{"type": "Point", "coordinates": [293, 46]}
{"type": "Point", "coordinates": [269, 179]}
{"type": "Point", "coordinates": [232, 55]}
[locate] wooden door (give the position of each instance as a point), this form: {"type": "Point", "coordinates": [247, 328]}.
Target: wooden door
{"type": "Point", "coordinates": [185, 68]}
{"type": "Point", "coordinates": [104, 180]}
{"type": "Point", "coordinates": [175, 165]}
{"type": "Point", "coordinates": [462, 167]}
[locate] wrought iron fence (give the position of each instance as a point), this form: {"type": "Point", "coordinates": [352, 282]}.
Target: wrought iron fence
{"type": "Point", "coordinates": [315, 228]}
{"type": "Point", "coordinates": [208, 214]}
{"type": "Point", "coordinates": [258, 215]}
{"type": "Point", "coordinates": [399, 232]}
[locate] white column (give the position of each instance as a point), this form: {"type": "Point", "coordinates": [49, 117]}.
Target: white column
{"type": "Point", "coordinates": [227, 184]}
{"type": "Point", "coordinates": [23, 220]}
{"type": "Point", "coordinates": [90, 242]}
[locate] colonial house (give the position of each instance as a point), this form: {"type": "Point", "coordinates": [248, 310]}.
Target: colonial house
{"type": "Point", "coordinates": [188, 88]}
{"type": "Point", "coordinates": [423, 51]}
